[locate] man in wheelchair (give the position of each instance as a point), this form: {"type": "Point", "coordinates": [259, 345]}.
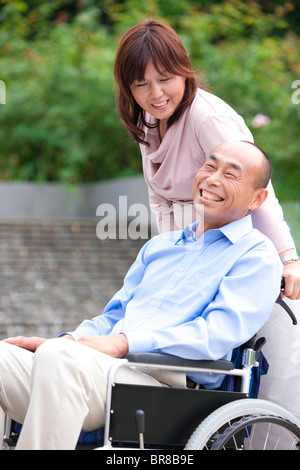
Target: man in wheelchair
{"type": "Point", "coordinates": [197, 294]}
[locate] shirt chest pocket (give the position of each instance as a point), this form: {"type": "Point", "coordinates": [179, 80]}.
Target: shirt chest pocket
{"type": "Point", "coordinates": [198, 285]}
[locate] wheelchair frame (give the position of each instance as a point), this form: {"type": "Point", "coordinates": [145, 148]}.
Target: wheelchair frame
{"type": "Point", "coordinates": [168, 362]}
{"type": "Point", "coordinates": [229, 404]}
{"type": "Point", "coordinates": [251, 352]}
{"type": "Point", "coordinates": [164, 362]}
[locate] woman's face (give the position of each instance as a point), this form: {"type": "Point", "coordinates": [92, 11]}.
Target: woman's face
{"type": "Point", "coordinates": [160, 93]}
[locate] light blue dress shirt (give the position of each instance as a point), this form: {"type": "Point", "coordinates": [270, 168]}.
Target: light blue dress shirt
{"type": "Point", "coordinates": [195, 298]}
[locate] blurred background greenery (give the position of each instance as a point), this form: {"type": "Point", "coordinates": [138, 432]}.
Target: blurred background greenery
{"type": "Point", "coordinates": [56, 59]}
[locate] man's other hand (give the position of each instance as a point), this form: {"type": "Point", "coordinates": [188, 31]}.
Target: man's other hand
{"type": "Point", "coordinates": [29, 343]}
{"type": "Point", "coordinates": [113, 345]}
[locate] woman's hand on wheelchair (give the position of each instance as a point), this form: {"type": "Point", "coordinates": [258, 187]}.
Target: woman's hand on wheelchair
{"type": "Point", "coordinates": [291, 275]}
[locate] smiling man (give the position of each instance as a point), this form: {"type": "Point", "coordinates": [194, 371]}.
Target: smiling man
{"type": "Point", "coordinates": [229, 184]}
{"type": "Point", "coordinates": [196, 293]}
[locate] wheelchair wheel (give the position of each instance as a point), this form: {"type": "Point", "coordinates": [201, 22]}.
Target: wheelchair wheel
{"type": "Point", "coordinates": [248, 424]}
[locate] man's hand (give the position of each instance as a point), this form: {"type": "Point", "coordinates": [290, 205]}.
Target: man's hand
{"type": "Point", "coordinates": [30, 343]}
{"type": "Point", "coordinates": [113, 345]}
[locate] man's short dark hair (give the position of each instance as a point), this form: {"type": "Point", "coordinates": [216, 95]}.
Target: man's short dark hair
{"type": "Point", "coordinates": [265, 173]}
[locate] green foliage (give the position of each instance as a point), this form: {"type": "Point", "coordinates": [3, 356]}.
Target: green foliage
{"type": "Point", "coordinates": [254, 73]}
{"type": "Point", "coordinates": [60, 123]}
{"type": "Point", "coordinates": [56, 59]}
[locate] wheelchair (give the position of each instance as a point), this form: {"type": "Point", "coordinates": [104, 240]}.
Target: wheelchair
{"type": "Point", "coordinates": [189, 419]}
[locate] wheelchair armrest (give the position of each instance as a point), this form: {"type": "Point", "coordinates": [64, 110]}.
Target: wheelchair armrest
{"type": "Point", "coordinates": [170, 360]}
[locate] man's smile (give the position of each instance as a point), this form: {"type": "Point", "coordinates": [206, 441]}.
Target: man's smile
{"type": "Point", "coordinates": [209, 196]}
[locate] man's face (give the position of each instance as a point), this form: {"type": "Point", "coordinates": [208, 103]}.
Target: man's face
{"type": "Point", "coordinates": [224, 185]}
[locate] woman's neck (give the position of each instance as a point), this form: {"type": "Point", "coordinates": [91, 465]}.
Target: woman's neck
{"type": "Point", "coordinates": [162, 128]}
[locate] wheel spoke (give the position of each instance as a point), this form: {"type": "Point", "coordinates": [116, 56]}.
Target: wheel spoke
{"type": "Point", "coordinates": [249, 424]}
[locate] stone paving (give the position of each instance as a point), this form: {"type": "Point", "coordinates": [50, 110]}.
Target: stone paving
{"type": "Point", "coordinates": [56, 273]}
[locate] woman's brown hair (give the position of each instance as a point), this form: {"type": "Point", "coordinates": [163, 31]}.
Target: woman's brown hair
{"type": "Point", "coordinates": [157, 41]}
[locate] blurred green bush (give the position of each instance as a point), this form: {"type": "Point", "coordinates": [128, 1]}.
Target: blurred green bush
{"type": "Point", "coordinates": [59, 122]}
{"type": "Point", "coordinates": [253, 69]}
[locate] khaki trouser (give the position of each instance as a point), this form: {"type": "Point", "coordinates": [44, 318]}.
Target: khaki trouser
{"type": "Point", "coordinates": [61, 389]}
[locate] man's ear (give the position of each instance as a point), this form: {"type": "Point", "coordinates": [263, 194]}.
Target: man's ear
{"type": "Point", "coordinates": [259, 198]}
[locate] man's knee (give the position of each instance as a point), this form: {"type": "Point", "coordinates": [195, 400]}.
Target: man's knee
{"type": "Point", "coordinates": [54, 345]}
{"type": "Point", "coordinates": [4, 347]}
{"type": "Point", "coordinates": [54, 358]}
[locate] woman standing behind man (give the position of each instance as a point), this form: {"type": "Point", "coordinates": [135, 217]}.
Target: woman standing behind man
{"type": "Point", "coordinates": [177, 124]}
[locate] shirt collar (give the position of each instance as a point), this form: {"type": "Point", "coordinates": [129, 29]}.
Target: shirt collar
{"type": "Point", "coordinates": [233, 231]}
{"type": "Point", "coordinates": [237, 229]}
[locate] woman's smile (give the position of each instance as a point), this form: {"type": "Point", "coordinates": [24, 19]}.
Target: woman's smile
{"type": "Point", "coordinates": [159, 93]}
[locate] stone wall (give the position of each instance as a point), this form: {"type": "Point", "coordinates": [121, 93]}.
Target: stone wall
{"type": "Point", "coordinates": [56, 273]}
{"type": "Point", "coordinates": [54, 270]}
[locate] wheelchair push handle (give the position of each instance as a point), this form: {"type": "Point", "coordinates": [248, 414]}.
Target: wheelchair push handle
{"type": "Point", "coordinates": [284, 305]}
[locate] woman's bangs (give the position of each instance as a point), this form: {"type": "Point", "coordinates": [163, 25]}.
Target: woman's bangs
{"type": "Point", "coordinates": [136, 65]}
{"type": "Point", "coordinates": [162, 59]}
{"type": "Point", "coordinates": [168, 59]}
